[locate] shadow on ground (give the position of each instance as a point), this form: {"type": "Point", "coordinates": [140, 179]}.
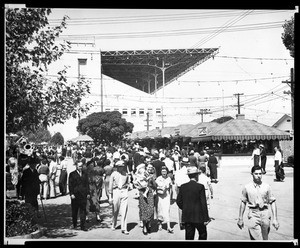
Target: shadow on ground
{"type": "Point", "coordinates": [57, 220]}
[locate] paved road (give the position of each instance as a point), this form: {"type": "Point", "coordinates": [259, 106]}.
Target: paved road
{"type": "Point", "coordinates": [224, 210]}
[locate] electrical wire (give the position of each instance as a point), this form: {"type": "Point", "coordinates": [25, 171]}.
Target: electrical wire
{"type": "Point", "coordinates": [156, 18]}
{"type": "Point", "coordinates": [222, 29]}
{"type": "Point", "coordinates": [161, 33]}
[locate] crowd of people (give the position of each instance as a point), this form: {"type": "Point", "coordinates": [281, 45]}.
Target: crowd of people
{"type": "Point", "coordinates": [160, 176]}
{"type": "Point", "coordinates": [111, 170]}
{"type": "Point", "coordinates": [259, 157]}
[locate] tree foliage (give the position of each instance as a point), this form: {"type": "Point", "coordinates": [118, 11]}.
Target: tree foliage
{"type": "Point", "coordinates": [40, 135]}
{"type": "Point", "coordinates": [57, 139]}
{"type": "Point", "coordinates": [20, 219]}
{"type": "Point", "coordinates": [222, 119]}
{"type": "Point", "coordinates": [31, 98]}
{"type": "Point", "coordinates": [288, 36]}
{"type": "Point", "coordinates": [107, 126]}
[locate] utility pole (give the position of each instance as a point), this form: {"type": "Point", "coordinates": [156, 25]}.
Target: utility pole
{"type": "Point", "coordinates": [147, 121]}
{"type": "Point", "coordinates": [162, 117]}
{"type": "Point", "coordinates": [101, 83]}
{"type": "Point", "coordinates": [238, 104]}
{"type": "Point", "coordinates": [203, 112]}
{"type": "Point", "coordinates": [291, 83]}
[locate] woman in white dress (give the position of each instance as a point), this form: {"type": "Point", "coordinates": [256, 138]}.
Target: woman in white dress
{"type": "Point", "coordinates": [164, 188]}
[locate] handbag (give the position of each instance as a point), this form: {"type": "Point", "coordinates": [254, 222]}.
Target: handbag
{"type": "Point", "coordinates": [161, 190]}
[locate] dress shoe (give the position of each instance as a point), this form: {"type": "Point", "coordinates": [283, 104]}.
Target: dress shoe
{"type": "Point", "coordinates": [181, 227]}
{"type": "Point", "coordinates": [125, 232]}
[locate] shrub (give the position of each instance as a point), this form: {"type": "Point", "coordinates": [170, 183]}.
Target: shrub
{"type": "Point", "coordinates": [20, 219]}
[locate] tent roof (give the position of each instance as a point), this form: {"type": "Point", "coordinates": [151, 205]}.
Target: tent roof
{"type": "Point", "coordinates": [243, 129]}
{"type": "Point", "coordinates": [138, 67]}
{"type": "Point", "coordinates": [82, 138]}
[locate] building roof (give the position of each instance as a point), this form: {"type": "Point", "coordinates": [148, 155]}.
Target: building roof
{"type": "Point", "coordinates": [137, 68]}
{"type": "Point", "coordinates": [276, 124]}
{"type": "Point", "coordinates": [166, 132]}
{"type": "Point", "coordinates": [243, 129]}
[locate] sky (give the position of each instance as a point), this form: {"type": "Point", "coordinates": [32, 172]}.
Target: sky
{"type": "Point", "coordinates": [252, 59]}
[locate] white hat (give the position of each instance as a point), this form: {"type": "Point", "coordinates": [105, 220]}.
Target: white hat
{"type": "Point", "coordinates": [120, 163]}
{"type": "Point", "coordinates": [192, 170]}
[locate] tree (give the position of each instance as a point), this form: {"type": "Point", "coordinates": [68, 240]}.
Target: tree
{"type": "Point", "coordinates": [107, 126]}
{"type": "Point", "coordinates": [222, 119]}
{"type": "Point", "coordinates": [57, 139]}
{"type": "Point", "coordinates": [38, 136]}
{"type": "Point", "coordinates": [288, 36]}
{"type": "Point", "coordinates": [31, 98]}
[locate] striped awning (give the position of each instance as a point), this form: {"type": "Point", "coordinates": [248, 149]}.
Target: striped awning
{"type": "Point", "coordinates": [243, 129]}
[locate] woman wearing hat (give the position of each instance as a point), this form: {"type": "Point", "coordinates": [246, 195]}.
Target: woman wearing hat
{"type": "Point", "coordinates": [164, 188]}
{"type": "Point", "coordinates": [145, 182]}
{"type": "Point", "coordinates": [118, 195]}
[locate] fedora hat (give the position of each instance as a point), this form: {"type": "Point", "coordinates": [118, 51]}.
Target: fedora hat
{"type": "Point", "coordinates": [193, 170]}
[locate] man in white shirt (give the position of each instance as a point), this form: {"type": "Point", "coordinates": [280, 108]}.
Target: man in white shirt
{"type": "Point", "coordinates": [279, 172]}
{"type": "Point", "coordinates": [259, 197]}
{"type": "Point", "coordinates": [181, 177]}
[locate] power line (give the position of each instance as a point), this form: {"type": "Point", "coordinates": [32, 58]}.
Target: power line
{"type": "Point", "coordinates": [165, 17]}
{"type": "Point", "coordinates": [159, 33]}
{"type": "Point", "coordinates": [222, 29]}
{"type": "Point", "coordinates": [156, 18]}
{"type": "Point", "coordinates": [231, 80]}
{"type": "Point", "coordinates": [258, 58]}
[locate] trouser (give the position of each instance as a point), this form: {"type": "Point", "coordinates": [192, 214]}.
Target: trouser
{"type": "Point", "coordinates": [52, 187]}
{"type": "Point", "coordinates": [80, 205]}
{"type": "Point", "coordinates": [106, 186]}
{"type": "Point", "coordinates": [190, 229]}
{"type": "Point", "coordinates": [263, 163]}
{"type": "Point", "coordinates": [44, 189]}
{"type": "Point", "coordinates": [179, 210]}
{"type": "Point", "coordinates": [279, 173]}
{"type": "Point", "coordinates": [63, 182]}
{"type": "Point", "coordinates": [259, 224]}
{"type": "Point", "coordinates": [120, 204]}
{"type": "Point", "coordinates": [32, 199]}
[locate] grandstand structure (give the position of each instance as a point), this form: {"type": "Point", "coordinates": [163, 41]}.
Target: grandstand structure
{"type": "Point", "coordinates": [151, 70]}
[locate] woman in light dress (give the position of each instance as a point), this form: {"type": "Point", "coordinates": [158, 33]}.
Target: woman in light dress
{"type": "Point", "coordinates": [164, 189]}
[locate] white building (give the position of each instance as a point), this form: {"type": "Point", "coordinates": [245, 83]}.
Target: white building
{"type": "Point", "coordinates": [140, 108]}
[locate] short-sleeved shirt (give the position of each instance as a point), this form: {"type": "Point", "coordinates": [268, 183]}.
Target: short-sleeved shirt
{"type": "Point", "coordinates": [257, 195]}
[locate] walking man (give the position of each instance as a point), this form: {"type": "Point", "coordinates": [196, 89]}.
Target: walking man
{"type": "Point", "coordinates": [118, 195]}
{"type": "Point", "coordinates": [259, 197]}
{"type": "Point", "coordinates": [279, 172]}
{"type": "Point", "coordinates": [79, 193]}
{"type": "Point", "coordinates": [192, 200]}
{"type": "Point", "coordinates": [263, 158]}
{"type": "Point", "coordinates": [30, 183]}
{"type": "Point", "coordinates": [181, 178]}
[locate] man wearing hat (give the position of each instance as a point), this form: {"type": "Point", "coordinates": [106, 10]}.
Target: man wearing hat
{"type": "Point", "coordinates": [192, 200]}
{"type": "Point", "coordinates": [118, 195]}
{"type": "Point", "coordinates": [181, 177]}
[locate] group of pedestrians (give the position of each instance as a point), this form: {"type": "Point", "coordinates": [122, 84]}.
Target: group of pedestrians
{"type": "Point", "coordinates": [161, 177]}
{"type": "Point", "coordinates": [259, 157]}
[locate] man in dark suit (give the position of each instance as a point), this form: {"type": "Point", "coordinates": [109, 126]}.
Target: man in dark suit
{"type": "Point", "coordinates": [79, 192]}
{"type": "Point", "coordinates": [192, 200]}
{"type": "Point", "coordinates": [30, 183]}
